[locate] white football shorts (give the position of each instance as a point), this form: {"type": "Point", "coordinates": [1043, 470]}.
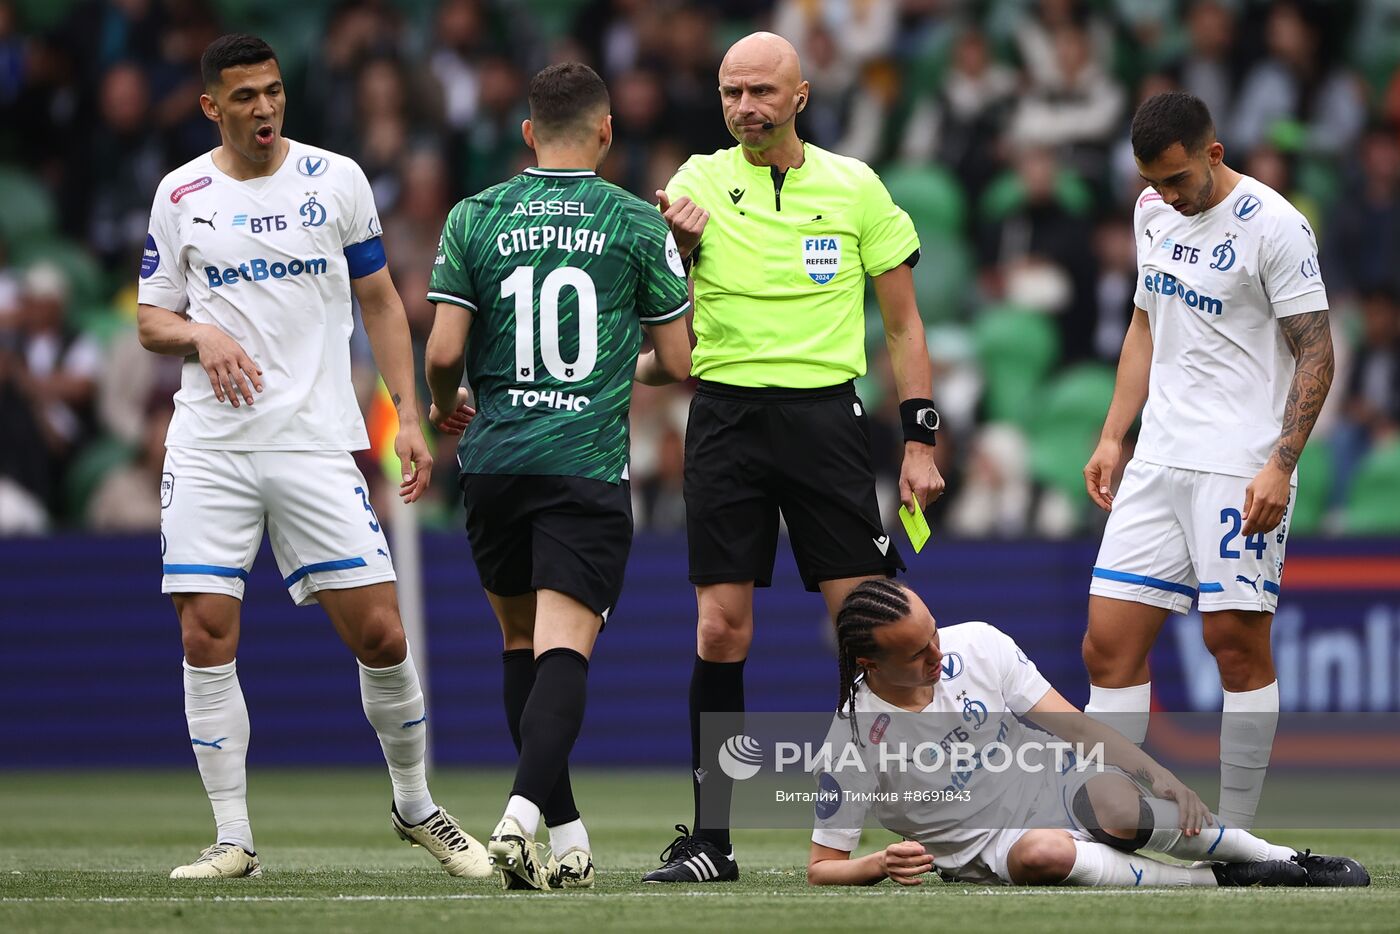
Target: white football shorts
{"type": "Point", "coordinates": [325, 535]}
{"type": "Point", "coordinates": [1174, 533]}
{"type": "Point", "coordinates": [1054, 810]}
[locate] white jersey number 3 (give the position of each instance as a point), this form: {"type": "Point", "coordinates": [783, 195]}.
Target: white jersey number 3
{"type": "Point", "coordinates": [521, 285]}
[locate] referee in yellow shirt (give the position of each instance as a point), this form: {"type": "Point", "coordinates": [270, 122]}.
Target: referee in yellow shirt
{"type": "Point", "coordinates": [780, 236]}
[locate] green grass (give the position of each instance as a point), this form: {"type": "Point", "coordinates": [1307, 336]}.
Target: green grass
{"type": "Point", "coordinates": [91, 852]}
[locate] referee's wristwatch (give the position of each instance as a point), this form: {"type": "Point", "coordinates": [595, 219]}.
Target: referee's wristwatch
{"type": "Point", "coordinates": [920, 420]}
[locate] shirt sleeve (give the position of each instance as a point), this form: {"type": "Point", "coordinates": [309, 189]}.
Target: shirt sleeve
{"type": "Point", "coordinates": [887, 235]}
{"type": "Point", "coordinates": [451, 279]}
{"type": "Point", "coordinates": [1022, 684]}
{"type": "Point", "coordinates": [662, 294]}
{"type": "Point", "coordinates": [1139, 291]}
{"type": "Point", "coordinates": [844, 793]}
{"type": "Point", "coordinates": [1288, 266]}
{"type": "Point", "coordinates": [162, 276]}
{"type": "Point", "coordinates": [361, 222]}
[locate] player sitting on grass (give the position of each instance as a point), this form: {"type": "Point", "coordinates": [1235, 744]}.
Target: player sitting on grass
{"type": "Point", "coordinates": [1089, 826]}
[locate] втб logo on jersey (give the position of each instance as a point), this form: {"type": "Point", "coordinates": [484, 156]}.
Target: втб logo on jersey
{"type": "Point", "coordinates": [1168, 285]}
{"type": "Point", "coordinates": [256, 270]}
{"type": "Point", "coordinates": [264, 224]}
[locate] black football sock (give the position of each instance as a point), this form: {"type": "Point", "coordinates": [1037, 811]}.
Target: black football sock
{"type": "Point", "coordinates": [519, 665]}
{"type": "Point", "coordinates": [550, 722]}
{"type": "Point", "coordinates": [715, 687]}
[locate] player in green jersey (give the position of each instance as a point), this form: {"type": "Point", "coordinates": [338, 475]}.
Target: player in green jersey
{"type": "Point", "coordinates": [553, 273]}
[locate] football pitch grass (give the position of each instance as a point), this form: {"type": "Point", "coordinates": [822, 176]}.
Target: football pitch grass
{"type": "Point", "coordinates": [91, 851]}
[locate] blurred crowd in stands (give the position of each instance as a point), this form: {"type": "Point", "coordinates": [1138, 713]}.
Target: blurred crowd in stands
{"type": "Point", "coordinates": [1001, 127]}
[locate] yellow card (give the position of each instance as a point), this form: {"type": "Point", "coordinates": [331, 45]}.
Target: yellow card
{"type": "Point", "coordinates": [916, 525]}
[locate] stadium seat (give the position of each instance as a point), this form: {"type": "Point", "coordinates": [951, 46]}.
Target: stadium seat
{"type": "Point", "coordinates": [930, 195]}
{"type": "Point", "coordinates": [87, 470]}
{"type": "Point", "coordinates": [1315, 479]}
{"type": "Point", "coordinates": [86, 280]}
{"type": "Point", "coordinates": [39, 15]}
{"type": "Point", "coordinates": [553, 18]}
{"type": "Point", "coordinates": [101, 321]}
{"type": "Point", "coordinates": [1006, 194]}
{"type": "Point", "coordinates": [1016, 349]}
{"type": "Point", "coordinates": [942, 276]}
{"type": "Point", "coordinates": [1067, 427]}
{"type": "Point", "coordinates": [1373, 504]}
{"type": "Point", "coordinates": [29, 211]}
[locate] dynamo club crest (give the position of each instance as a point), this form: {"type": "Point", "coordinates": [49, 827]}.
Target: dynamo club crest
{"type": "Point", "coordinates": [821, 257]}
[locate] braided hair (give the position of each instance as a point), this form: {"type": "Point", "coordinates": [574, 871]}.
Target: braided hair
{"type": "Point", "coordinates": [872, 604]}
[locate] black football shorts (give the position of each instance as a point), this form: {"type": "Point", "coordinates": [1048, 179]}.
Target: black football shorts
{"type": "Point", "coordinates": [751, 454]}
{"type": "Point", "coordinates": [567, 534]}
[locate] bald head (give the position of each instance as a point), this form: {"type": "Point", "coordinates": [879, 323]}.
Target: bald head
{"type": "Point", "coordinates": [761, 88]}
{"type": "Point", "coordinates": [763, 53]}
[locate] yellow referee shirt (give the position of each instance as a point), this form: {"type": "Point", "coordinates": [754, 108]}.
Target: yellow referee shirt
{"type": "Point", "coordinates": [780, 270]}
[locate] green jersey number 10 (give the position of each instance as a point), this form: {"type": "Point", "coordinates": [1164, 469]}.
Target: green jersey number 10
{"type": "Point", "coordinates": [521, 285]}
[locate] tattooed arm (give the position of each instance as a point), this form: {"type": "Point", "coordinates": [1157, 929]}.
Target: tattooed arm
{"type": "Point", "coordinates": [1309, 338]}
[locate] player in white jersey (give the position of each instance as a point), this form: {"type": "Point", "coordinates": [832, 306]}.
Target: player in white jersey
{"type": "Point", "coordinates": [905, 681]}
{"type": "Point", "coordinates": [1230, 350]}
{"type": "Point", "coordinates": [253, 253]}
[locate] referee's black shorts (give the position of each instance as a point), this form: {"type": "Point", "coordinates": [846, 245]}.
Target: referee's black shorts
{"type": "Point", "coordinates": [752, 453]}
{"type": "Point", "coordinates": [567, 534]}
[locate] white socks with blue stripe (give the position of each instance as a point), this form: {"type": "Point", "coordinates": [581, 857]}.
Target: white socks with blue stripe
{"type": "Point", "coordinates": [218, 723]}
{"type": "Point", "coordinates": [1127, 708]}
{"type": "Point", "coordinates": [1246, 741]}
{"type": "Point", "coordinates": [393, 702]}
{"type": "Point", "coordinates": [1218, 843]}
{"type": "Point", "coordinates": [1099, 864]}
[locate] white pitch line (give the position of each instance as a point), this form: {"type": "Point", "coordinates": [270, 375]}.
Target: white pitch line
{"type": "Point", "coordinates": [1006, 891]}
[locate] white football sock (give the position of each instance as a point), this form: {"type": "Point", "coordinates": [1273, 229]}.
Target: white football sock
{"type": "Point", "coordinates": [1246, 740]}
{"type": "Point", "coordinates": [218, 723]}
{"type": "Point", "coordinates": [525, 812]}
{"type": "Point", "coordinates": [393, 702]}
{"type": "Point", "coordinates": [1098, 864]}
{"type": "Point", "coordinates": [1128, 708]}
{"type": "Point", "coordinates": [1219, 843]}
{"type": "Point", "coordinates": [568, 836]}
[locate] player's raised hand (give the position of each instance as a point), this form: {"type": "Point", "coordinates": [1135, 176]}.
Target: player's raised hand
{"type": "Point", "coordinates": [919, 476]}
{"type": "Point", "coordinates": [412, 450]}
{"type": "Point", "coordinates": [1265, 499]}
{"type": "Point", "coordinates": [1193, 813]}
{"type": "Point", "coordinates": [685, 218]}
{"type": "Point", "coordinates": [455, 420]}
{"type": "Point", "coordinates": [1098, 473]}
{"type": "Point", "coordinates": [905, 861]}
{"type": "Point", "coordinates": [231, 371]}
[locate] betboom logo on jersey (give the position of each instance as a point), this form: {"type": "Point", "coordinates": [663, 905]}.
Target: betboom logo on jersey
{"type": "Point", "coordinates": [256, 270]}
{"type": "Point", "coordinates": [1167, 285]}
